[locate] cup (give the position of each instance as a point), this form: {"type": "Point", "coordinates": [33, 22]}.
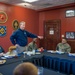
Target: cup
{"type": "Point", "coordinates": [40, 70]}
{"type": "Point", "coordinates": [24, 54]}
{"type": "Point", "coordinates": [33, 52]}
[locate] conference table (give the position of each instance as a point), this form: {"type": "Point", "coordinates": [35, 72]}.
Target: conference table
{"type": "Point", "coordinates": [53, 63]}
{"type": "Point", "coordinates": [8, 70]}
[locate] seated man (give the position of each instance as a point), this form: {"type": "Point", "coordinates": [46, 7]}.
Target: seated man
{"type": "Point", "coordinates": [63, 46]}
{"type": "Point", "coordinates": [32, 45]}
{"type": "Point", "coordinates": [26, 69]}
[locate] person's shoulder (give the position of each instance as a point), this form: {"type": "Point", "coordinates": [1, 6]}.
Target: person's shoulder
{"type": "Point", "coordinates": [67, 44]}
{"type": "Point", "coordinates": [26, 31]}
{"type": "Point", "coordinates": [16, 31]}
{"type": "Point", "coordinates": [30, 43]}
{"type": "Point", "coordinates": [59, 43]}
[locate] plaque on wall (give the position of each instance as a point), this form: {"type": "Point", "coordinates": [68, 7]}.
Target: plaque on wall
{"type": "Point", "coordinates": [3, 17]}
{"type": "Point", "coordinates": [70, 35]}
{"type": "Point", "coordinates": [15, 24]}
{"type": "Point", "coordinates": [2, 31]}
{"type": "Point", "coordinates": [70, 13]}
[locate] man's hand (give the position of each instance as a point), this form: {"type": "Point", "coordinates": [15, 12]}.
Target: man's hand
{"type": "Point", "coordinates": [40, 37]}
{"type": "Point", "coordinates": [16, 45]}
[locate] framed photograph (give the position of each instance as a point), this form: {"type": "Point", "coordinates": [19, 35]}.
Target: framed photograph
{"type": "Point", "coordinates": [70, 35]}
{"type": "Point", "coordinates": [70, 13]}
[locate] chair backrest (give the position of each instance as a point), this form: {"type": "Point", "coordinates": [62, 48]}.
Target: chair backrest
{"type": "Point", "coordinates": [1, 49]}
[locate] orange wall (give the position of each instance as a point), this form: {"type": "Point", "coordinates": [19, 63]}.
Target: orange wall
{"type": "Point", "coordinates": [18, 13]}
{"type": "Point", "coordinates": [67, 24]}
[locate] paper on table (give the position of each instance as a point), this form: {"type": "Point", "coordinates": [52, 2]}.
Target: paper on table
{"type": "Point", "coordinates": [52, 51]}
{"type": "Point", "coordinates": [37, 53]}
{"type": "Point", "coordinates": [71, 54]}
{"type": "Point", "coordinates": [59, 52]}
{"type": "Point", "coordinates": [2, 61]}
{"type": "Point", "coordinates": [49, 50]}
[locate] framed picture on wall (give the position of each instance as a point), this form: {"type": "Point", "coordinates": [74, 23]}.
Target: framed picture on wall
{"type": "Point", "coordinates": [70, 13]}
{"type": "Point", "coordinates": [70, 35]}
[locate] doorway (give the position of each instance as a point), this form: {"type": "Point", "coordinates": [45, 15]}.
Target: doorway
{"type": "Point", "coordinates": [51, 34]}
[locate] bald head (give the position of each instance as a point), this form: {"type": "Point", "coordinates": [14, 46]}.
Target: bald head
{"type": "Point", "coordinates": [26, 69]}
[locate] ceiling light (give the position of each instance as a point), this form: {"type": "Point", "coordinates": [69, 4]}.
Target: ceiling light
{"type": "Point", "coordinates": [24, 4]}
{"type": "Point", "coordinates": [30, 0]}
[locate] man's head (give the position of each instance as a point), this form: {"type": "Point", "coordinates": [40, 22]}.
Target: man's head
{"type": "Point", "coordinates": [64, 41]}
{"type": "Point", "coordinates": [22, 25]}
{"type": "Point", "coordinates": [26, 69]}
{"type": "Point", "coordinates": [35, 40]}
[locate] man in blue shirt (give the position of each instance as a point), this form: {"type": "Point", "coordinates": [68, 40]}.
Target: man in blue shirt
{"type": "Point", "coordinates": [20, 37]}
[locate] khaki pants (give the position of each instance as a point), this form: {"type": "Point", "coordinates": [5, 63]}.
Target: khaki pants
{"type": "Point", "coordinates": [21, 49]}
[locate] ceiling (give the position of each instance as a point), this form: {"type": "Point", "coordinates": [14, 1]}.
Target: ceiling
{"type": "Point", "coordinates": [40, 4]}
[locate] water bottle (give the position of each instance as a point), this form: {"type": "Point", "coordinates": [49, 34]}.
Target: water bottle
{"type": "Point", "coordinates": [24, 54]}
{"type": "Point", "coordinates": [40, 70]}
{"type": "Point", "coordinates": [33, 52]}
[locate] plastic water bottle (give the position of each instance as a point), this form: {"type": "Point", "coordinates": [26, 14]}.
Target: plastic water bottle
{"type": "Point", "coordinates": [24, 54]}
{"type": "Point", "coordinates": [40, 70]}
{"type": "Point", "coordinates": [33, 52]}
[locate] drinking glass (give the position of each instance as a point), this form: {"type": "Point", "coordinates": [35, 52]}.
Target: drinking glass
{"type": "Point", "coordinates": [40, 70]}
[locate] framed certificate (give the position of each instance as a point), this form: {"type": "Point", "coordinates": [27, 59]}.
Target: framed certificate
{"type": "Point", "coordinates": [70, 13]}
{"type": "Point", "coordinates": [15, 24]}
{"type": "Point", "coordinates": [70, 35]}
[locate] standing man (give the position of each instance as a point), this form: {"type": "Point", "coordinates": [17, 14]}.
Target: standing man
{"type": "Point", "coordinates": [20, 37]}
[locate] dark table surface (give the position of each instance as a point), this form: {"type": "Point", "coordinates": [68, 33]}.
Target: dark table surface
{"type": "Point", "coordinates": [8, 67]}
{"type": "Point", "coordinates": [8, 70]}
{"type": "Point", "coordinates": [61, 56]}
{"type": "Point", "coordinates": [51, 72]}
{"type": "Point", "coordinates": [21, 58]}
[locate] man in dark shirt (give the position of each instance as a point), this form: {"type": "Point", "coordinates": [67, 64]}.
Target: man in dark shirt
{"type": "Point", "coordinates": [20, 37]}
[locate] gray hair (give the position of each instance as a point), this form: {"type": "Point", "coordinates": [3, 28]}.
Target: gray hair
{"type": "Point", "coordinates": [22, 22]}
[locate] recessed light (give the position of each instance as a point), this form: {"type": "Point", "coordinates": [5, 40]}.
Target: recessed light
{"type": "Point", "coordinates": [30, 0]}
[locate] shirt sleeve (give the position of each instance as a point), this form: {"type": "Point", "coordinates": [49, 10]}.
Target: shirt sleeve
{"type": "Point", "coordinates": [29, 47]}
{"type": "Point", "coordinates": [57, 47]}
{"type": "Point", "coordinates": [31, 35]}
{"type": "Point", "coordinates": [69, 49]}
